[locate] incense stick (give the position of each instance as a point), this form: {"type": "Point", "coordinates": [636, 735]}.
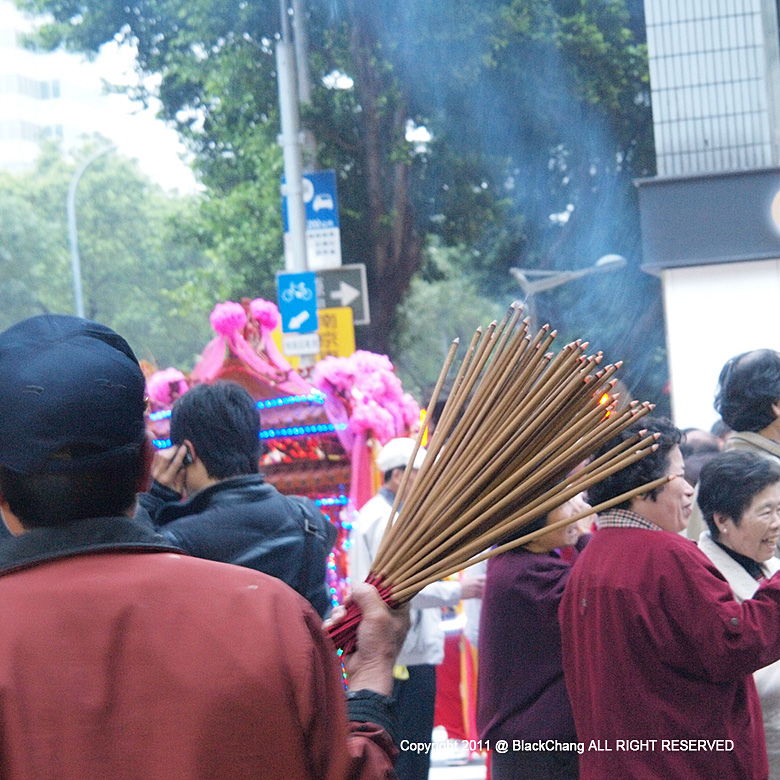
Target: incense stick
{"type": "Point", "coordinates": [516, 439]}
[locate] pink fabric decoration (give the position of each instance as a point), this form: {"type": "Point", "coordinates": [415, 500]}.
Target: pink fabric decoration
{"type": "Point", "coordinates": [369, 416]}
{"type": "Point", "coordinates": [361, 484]}
{"type": "Point", "coordinates": [227, 318]}
{"type": "Point", "coordinates": [368, 386]}
{"type": "Point", "coordinates": [268, 318]}
{"type": "Point", "coordinates": [164, 387]}
{"type": "Point", "coordinates": [275, 369]}
{"type": "Point", "coordinates": [211, 360]}
{"type": "Point", "coordinates": [266, 313]}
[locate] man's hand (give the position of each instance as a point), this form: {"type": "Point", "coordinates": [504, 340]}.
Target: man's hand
{"type": "Point", "coordinates": [167, 467]}
{"type": "Point", "coordinates": [380, 634]}
{"type": "Point", "coordinates": [472, 587]}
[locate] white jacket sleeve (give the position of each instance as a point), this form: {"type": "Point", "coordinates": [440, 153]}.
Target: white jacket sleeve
{"type": "Point", "coordinates": [445, 593]}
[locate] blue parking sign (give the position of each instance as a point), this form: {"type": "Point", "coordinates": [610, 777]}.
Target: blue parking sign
{"type": "Point", "coordinates": [297, 298]}
{"type": "Point", "coordinates": [320, 201]}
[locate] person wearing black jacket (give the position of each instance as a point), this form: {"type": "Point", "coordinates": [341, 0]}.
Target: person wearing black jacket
{"type": "Point", "coordinates": [230, 514]}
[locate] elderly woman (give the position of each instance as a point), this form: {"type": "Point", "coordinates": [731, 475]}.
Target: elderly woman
{"type": "Point", "coordinates": [658, 654]}
{"type": "Point", "coordinates": [740, 501]}
{"type": "Point", "coordinates": [521, 694]}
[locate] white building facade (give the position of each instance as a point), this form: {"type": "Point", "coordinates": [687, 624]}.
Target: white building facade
{"type": "Point", "coordinates": [43, 95]}
{"type": "Point", "coordinates": [711, 218]}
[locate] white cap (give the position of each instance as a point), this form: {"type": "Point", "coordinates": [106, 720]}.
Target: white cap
{"type": "Point", "coordinates": [397, 453]}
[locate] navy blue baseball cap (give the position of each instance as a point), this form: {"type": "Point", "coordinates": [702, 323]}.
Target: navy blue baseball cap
{"type": "Point", "coordinates": [71, 395]}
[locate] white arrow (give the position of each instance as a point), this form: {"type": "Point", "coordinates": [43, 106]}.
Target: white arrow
{"type": "Point", "coordinates": [298, 320]}
{"type": "Point", "coordinates": [345, 294]}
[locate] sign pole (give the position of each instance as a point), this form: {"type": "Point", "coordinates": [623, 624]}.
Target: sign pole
{"type": "Point", "coordinates": [290, 140]}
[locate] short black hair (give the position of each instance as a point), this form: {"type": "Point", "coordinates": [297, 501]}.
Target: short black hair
{"type": "Point", "coordinates": [647, 469]}
{"type": "Point", "coordinates": [696, 441]}
{"type": "Point", "coordinates": [45, 500]}
{"type": "Point", "coordinates": [729, 482]}
{"type": "Point", "coordinates": [748, 385]}
{"type": "Point", "coordinates": [223, 423]}
{"type": "Point", "coordinates": [720, 429]}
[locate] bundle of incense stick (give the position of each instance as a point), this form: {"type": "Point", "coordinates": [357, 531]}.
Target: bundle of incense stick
{"type": "Point", "coordinates": [515, 440]}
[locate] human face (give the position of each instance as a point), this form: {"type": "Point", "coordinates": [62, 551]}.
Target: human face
{"type": "Point", "coordinates": [673, 504]}
{"type": "Point", "coordinates": [758, 530]}
{"type": "Point", "coordinates": [409, 482]}
{"type": "Point", "coordinates": [567, 535]}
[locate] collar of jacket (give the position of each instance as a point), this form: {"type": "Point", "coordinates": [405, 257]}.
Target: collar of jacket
{"type": "Point", "coordinates": [100, 534]}
{"type": "Point", "coordinates": [752, 441]}
{"type": "Point", "coordinates": [233, 490]}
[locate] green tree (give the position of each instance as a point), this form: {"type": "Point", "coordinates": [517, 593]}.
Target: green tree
{"type": "Point", "coordinates": [443, 303]}
{"type": "Point", "coordinates": [538, 109]}
{"type": "Point", "coordinates": [138, 252]}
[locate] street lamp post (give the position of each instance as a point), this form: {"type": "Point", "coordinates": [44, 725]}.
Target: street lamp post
{"type": "Point", "coordinates": [534, 281]}
{"type": "Point", "coordinates": [73, 239]}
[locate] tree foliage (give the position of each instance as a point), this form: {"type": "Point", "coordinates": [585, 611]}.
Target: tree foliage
{"type": "Point", "coordinates": [142, 270]}
{"type": "Point", "coordinates": [538, 111]}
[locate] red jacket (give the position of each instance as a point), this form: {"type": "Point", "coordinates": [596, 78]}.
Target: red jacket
{"type": "Point", "coordinates": [656, 649]}
{"type": "Point", "coordinates": [136, 662]}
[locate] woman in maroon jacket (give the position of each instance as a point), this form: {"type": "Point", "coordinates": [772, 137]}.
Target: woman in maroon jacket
{"type": "Point", "coordinates": [521, 696]}
{"type": "Point", "coordinates": [657, 653]}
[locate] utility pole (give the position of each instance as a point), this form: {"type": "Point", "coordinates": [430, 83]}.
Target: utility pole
{"type": "Point", "coordinates": [301, 42]}
{"type": "Point", "coordinates": [290, 140]}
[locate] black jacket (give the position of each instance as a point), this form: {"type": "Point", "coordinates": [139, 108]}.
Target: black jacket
{"type": "Point", "coordinates": [247, 522]}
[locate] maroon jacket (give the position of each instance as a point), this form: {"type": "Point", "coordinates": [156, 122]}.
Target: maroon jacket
{"type": "Point", "coordinates": [521, 693]}
{"type": "Point", "coordinates": [656, 649]}
{"type": "Point", "coordinates": [121, 659]}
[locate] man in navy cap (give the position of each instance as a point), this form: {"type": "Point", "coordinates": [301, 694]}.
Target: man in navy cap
{"type": "Point", "coordinates": [122, 657]}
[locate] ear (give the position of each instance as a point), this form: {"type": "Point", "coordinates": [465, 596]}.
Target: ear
{"type": "Point", "coordinates": [191, 449]}
{"type": "Point", "coordinates": [10, 519]}
{"type": "Point", "coordinates": [776, 408]}
{"type": "Point", "coordinates": [721, 518]}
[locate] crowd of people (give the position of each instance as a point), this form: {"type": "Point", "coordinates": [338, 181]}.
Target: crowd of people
{"type": "Point", "coordinates": [162, 611]}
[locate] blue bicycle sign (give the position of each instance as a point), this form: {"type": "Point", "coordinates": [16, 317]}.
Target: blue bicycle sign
{"type": "Point", "coordinates": [297, 302]}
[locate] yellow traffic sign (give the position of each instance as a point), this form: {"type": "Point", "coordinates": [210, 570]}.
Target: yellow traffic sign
{"type": "Point", "coordinates": [336, 332]}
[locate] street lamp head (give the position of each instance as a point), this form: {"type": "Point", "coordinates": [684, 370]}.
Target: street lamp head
{"type": "Point", "coordinates": [613, 260]}
{"type": "Point", "coordinates": [521, 279]}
